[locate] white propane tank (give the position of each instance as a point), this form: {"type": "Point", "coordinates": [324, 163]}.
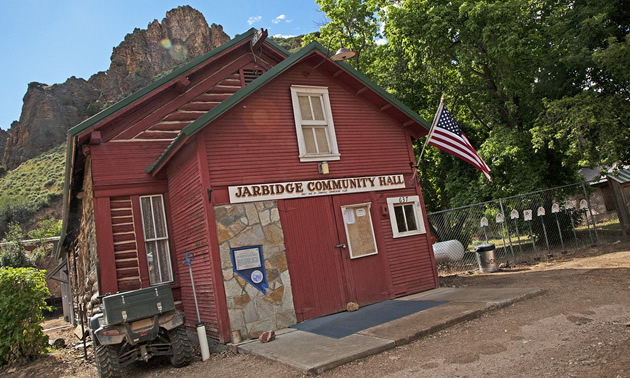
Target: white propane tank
{"type": "Point", "coordinates": [448, 251]}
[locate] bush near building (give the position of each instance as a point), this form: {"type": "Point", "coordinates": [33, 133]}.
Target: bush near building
{"type": "Point", "coordinates": [22, 300]}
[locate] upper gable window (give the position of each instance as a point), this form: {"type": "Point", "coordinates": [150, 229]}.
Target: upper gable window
{"type": "Point", "coordinates": [314, 124]}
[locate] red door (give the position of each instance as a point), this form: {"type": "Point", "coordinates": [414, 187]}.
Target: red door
{"type": "Point", "coordinates": [310, 236]}
{"type": "Point", "coordinates": [364, 258]}
{"type": "Point", "coordinates": [324, 276]}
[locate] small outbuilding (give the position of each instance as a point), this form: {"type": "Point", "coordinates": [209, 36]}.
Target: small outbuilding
{"type": "Point", "coordinates": [288, 177]}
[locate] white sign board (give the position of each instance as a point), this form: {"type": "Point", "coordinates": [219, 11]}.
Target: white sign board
{"type": "Point", "coordinates": [514, 214]}
{"type": "Point", "coordinates": [247, 259]}
{"type": "Point", "coordinates": [500, 218]}
{"type": "Point", "coordinates": [310, 188]}
{"type": "Point", "coordinates": [527, 215]}
{"type": "Point", "coordinates": [555, 208]}
{"type": "Point", "coordinates": [583, 205]}
{"type": "Point", "coordinates": [484, 222]}
{"type": "Point", "coordinates": [541, 211]}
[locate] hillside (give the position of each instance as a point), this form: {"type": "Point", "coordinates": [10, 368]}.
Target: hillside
{"type": "Point", "coordinates": [33, 190]}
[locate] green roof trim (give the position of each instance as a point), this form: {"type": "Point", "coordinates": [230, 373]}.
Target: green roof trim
{"type": "Point", "coordinates": [88, 123]}
{"type": "Point", "coordinates": [243, 93]}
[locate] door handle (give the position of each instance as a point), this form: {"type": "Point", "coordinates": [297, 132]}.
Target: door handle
{"type": "Point", "coordinates": [342, 245]}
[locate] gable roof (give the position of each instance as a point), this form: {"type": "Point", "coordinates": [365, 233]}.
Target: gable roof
{"type": "Point", "coordinates": [246, 91]}
{"type": "Point", "coordinates": [166, 79]}
{"type": "Point", "coordinates": [106, 114]}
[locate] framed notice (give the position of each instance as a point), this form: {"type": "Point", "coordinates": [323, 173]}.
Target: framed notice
{"type": "Point", "coordinates": [360, 233]}
{"type": "Point", "coordinates": [247, 258]}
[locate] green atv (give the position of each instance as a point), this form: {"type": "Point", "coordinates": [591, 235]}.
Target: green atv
{"type": "Point", "coordinates": [137, 325]}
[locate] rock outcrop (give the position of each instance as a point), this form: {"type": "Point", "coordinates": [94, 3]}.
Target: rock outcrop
{"type": "Point", "coordinates": [49, 111]}
{"type": "Point", "coordinates": [3, 140]}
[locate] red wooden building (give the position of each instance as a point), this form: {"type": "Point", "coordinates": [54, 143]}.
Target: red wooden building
{"type": "Point", "coordinates": [286, 175]}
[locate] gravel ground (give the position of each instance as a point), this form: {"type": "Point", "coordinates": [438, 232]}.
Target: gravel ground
{"type": "Point", "coordinates": [580, 327]}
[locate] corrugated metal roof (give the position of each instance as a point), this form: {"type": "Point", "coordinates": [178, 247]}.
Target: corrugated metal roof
{"type": "Point", "coordinates": [622, 176]}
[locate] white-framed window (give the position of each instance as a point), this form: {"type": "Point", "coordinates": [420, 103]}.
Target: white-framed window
{"type": "Point", "coordinates": [314, 123]}
{"type": "Point", "coordinates": [156, 239]}
{"type": "Point", "coordinates": [405, 215]}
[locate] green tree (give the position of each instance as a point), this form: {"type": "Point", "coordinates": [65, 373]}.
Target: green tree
{"type": "Point", "coordinates": [539, 87]}
{"type": "Point", "coordinates": [355, 24]}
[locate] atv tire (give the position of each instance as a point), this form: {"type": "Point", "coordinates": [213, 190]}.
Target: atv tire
{"type": "Point", "coordinates": [107, 361]}
{"type": "Point", "coordinates": [181, 347]}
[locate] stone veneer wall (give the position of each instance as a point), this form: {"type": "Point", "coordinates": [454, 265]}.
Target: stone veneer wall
{"type": "Point", "coordinates": [252, 312]}
{"type": "Point", "coordinates": [85, 285]}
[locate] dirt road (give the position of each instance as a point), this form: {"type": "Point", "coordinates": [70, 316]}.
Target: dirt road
{"type": "Point", "coordinates": [580, 327]}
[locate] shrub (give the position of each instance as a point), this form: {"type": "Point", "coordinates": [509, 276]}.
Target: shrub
{"type": "Point", "coordinates": [13, 255]}
{"type": "Point", "coordinates": [22, 300]}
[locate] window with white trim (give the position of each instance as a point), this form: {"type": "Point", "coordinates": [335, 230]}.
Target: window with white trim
{"type": "Point", "coordinates": [405, 216]}
{"type": "Point", "coordinates": [156, 239]}
{"type": "Point", "coordinates": [314, 124]}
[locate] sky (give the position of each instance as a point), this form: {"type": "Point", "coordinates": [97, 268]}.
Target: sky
{"type": "Point", "coordinates": [48, 41]}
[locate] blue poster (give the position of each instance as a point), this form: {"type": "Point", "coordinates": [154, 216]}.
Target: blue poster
{"type": "Point", "coordinates": [248, 262]}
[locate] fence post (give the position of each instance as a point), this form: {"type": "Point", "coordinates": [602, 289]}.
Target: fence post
{"type": "Point", "coordinates": [588, 201]}
{"type": "Point", "coordinates": [508, 232]}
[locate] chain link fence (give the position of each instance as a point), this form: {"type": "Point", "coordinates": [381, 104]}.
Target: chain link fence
{"type": "Point", "coordinates": [526, 228]}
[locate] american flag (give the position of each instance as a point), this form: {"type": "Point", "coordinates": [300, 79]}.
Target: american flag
{"type": "Point", "coordinates": [449, 137]}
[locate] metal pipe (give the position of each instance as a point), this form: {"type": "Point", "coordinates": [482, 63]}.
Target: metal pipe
{"type": "Point", "coordinates": [573, 228]}
{"type": "Point", "coordinates": [559, 232]}
{"type": "Point", "coordinates": [508, 232]}
{"type": "Point", "coordinates": [545, 231]}
{"type": "Point", "coordinates": [588, 201]}
{"type": "Point", "coordinates": [531, 234]}
{"type": "Point", "coordinates": [201, 328]}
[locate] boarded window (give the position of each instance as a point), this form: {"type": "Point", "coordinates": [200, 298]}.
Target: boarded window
{"type": "Point", "coordinates": [156, 239]}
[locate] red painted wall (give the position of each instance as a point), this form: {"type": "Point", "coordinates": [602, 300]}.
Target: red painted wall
{"type": "Point", "coordinates": [256, 142]}
{"type": "Point", "coordinates": [190, 235]}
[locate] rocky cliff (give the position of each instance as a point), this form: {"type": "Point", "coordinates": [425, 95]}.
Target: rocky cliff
{"type": "Point", "coordinates": [49, 111]}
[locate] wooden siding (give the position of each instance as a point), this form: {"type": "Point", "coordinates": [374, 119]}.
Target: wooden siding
{"type": "Point", "coordinates": [256, 142]}
{"type": "Point", "coordinates": [189, 234]}
{"type": "Point", "coordinates": [116, 165]}
{"type": "Point", "coordinates": [163, 117]}
{"type": "Point", "coordinates": [169, 126]}
{"type": "Point", "coordinates": [409, 258]}
{"type": "Point", "coordinates": [125, 246]}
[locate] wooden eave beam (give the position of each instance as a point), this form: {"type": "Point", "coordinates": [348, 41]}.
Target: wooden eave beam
{"type": "Point", "coordinates": [182, 84]}
{"type": "Point", "coordinates": [95, 138]}
{"type": "Point", "coordinates": [362, 90]}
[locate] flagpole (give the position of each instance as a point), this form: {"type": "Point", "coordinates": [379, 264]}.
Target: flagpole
{"type": "Point", "coordinates": [435, 119]}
